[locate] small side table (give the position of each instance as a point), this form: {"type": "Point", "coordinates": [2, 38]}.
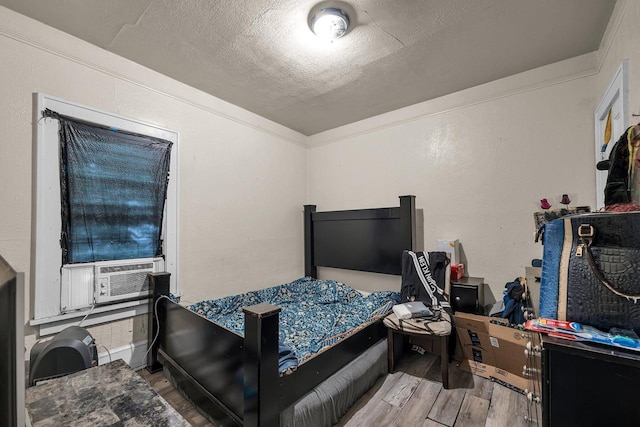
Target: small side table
{"type": "Point", "coordinates": [467, 295]}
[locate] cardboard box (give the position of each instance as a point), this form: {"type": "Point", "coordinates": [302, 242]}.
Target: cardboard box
{"type": "Point", "coordinates": [491, 350]}
{"type": "Point", "coordinates": [472, 322]}
{"type": "Point", "coordinates": [476, 346]}
{"type": "Point", "coordinates": [508, 346]}
{"type": "Point", "coordinates": [496, 374]}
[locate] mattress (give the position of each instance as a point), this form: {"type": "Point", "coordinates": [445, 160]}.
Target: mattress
{"type": "Point", "coordinates": [315, 314]}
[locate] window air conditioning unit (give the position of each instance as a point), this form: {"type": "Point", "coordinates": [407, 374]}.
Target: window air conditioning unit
{"type": "Point", "coordinates": [125, 279]}
{"type": "Point", "coordinates": [103, 282]}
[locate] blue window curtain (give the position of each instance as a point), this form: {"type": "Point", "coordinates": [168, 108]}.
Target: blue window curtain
{"type": "Point", "coordinates": [113, 186]}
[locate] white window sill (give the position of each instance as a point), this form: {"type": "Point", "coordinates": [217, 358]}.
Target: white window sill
{"type": "Point", "coordinates": [100, 314]}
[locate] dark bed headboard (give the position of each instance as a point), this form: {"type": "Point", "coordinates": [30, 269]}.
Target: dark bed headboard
{"type": "Point", "coordinates": [363, 239]}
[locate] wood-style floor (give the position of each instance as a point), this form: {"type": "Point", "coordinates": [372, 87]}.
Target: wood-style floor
{"type": "Point", "coordinates": [411, 396]}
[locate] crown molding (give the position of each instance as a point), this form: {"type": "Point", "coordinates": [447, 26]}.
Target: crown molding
{"type": "Point", "coordinates": [610, 33]}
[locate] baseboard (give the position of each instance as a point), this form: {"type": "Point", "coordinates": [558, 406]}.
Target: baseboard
{"type": "Point", "coordinates": [134, 354]}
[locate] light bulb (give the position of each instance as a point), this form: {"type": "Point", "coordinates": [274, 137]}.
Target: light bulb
{"type": "Point", "coordinates": [330, 23]}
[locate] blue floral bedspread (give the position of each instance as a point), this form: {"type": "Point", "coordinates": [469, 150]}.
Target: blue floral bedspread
{"type": "Point", "coordinates": [315, 313]}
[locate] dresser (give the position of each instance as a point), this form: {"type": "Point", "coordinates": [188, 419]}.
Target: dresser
{"type": "Point", "coordinates": [585, 384]}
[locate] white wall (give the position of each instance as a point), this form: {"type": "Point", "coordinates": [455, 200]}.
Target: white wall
{"type": "Point", "coordinates": [478, 162]}
{"type": "Point", "coordinates": [242, 177]}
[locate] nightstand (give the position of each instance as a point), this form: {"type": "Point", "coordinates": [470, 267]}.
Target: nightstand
{"type": "Point", "coordinates": [467, 295]}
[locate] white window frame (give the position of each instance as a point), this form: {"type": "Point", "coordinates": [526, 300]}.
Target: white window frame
{"type": "Point", "coordinates": [47, 224]}
{"type": "Point", "coordinates": [616, 99]}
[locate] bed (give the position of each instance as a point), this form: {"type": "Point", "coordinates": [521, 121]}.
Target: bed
{"type": "Point", "coordinates": [235, 379]}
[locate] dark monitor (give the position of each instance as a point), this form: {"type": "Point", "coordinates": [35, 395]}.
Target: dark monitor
{"type": "Point", "coordinates": [12, 377]}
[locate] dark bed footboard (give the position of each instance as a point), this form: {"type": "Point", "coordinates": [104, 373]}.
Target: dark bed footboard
{"type": "Point", "coordinates": [207, 352]}
{"type": "Point", "coordinates": [236, 380]}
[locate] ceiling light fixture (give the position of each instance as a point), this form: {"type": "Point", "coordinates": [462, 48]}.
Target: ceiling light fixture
{"type": "Point", "coordinates": [330, 23]}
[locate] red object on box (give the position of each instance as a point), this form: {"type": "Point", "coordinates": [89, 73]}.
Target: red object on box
{"type": "Point", "coordinates": [457, 271]}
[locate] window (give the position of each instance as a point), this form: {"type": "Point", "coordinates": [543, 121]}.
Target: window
{"type": "Point", "coordinates": [115, 179]}
{"type": "Point", "coordinates": [115, 184]}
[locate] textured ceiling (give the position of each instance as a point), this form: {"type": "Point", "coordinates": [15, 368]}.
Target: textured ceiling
{"type": "Point", "coordinates": [261, 55]}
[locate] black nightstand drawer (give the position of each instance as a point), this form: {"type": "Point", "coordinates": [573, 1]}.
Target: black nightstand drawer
{"type": "Point", "coordinates": [467, 295]}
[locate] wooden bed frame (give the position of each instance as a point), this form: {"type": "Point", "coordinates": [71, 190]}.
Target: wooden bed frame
{"type": "Point", "coordinates": [235, 379]}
